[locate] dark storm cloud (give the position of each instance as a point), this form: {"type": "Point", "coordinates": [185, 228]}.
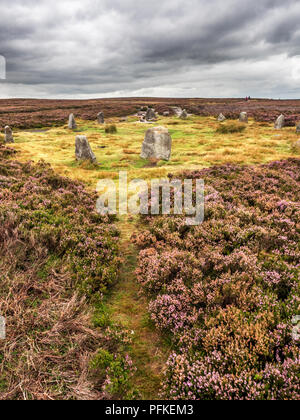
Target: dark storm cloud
{"type": "Point", "coordinates": [172, 47]}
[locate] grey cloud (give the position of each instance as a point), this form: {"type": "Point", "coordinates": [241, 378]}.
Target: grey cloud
{"type": "Point", "coordinates": [100, 47]}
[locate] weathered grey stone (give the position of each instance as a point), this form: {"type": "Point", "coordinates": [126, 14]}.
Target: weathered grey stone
{"type": "Point", "coordinates": [2, 328]}
{"type": "Point", "coordinates": [279, 123]}
{"type": "Point", "coordinates": [83, 149]}
{"type": "Point", "coordinates": [177, 111]}
{"type": "Point", "coordinates": [298, 128]}
{"type": "Point", "coordinates": [9, 138]}
{"type": "Point", "coordinates": [296, 328]}
{"type": "Point", "coordinates": [157, 144]}
{"type": "Point", "coordinates": [150, 115]}
{"type": "Point", "coordinates": [72, 123]}
{"type": "Point", "coordinates": [166, 114]}
{"type": "Point", "coordinates": [221, 118]}
{"type": "Point", "coordinates": [184, 115]}
{"type": "Point", "coordinates": [100, 118]}
{"type": "Point", "coordinates": [243, 117]}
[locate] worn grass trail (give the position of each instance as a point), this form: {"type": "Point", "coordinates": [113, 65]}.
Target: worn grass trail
{"type": "Point", "coordinates": [127, 306]}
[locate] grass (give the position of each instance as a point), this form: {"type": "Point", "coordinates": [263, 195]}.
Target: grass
{"type": "Point", "coordinates": [127, 306]}
{"type": "Point", "coordinates": [196, 144]}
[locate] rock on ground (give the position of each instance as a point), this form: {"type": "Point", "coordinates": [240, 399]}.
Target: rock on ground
{"type": "Point", "coordinates": [279, 123]}
{"type": "Point", "coordinates": [72, 123]}
{"type": "Point", "coordinates": [298, 128]}
{"type": "Point", "coordinates": [184, 115]}
{"type": "Point", "coordinates": [8, 135]}
{"type": "Point", "coordinates": [177, 111]}
{"type": "Point", "coordinates": [157, 144]}
{"type": "Point", "coordinates": [150, 115]}
{"type": "Point", "coordinates": [100, 118]}
{"type": "Point", "coordinates": [83, 149]}
{"type": "Point", "coordinates": [243, 117]}
{"type": "Point", "coordinates": [221, 118]}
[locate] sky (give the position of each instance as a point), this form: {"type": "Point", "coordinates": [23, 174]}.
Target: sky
{"type": "Point", "coordinates": [166, 48]}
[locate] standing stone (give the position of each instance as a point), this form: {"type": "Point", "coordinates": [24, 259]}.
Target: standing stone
{"type": "Point", "coordinates": [296, 328]}
{"type": "Point", "coordinates": [184, 115]}
{"type": "Point", "coordinates": [279, 123]}
{"type": "Point", "coordinates": [177, 111]}
{"type": "Point", "coordinates": [83, 149]}
{"type": "Point", "coordinates": [298, 128]}
{"type": "Point", "coordinates": [157, 144]}
{"type": "Point", "coordinates": [8, 135]}
{"type": "Point", "coordinates": [243, 117]}
{"type": "Point", "coordinates": [150, 115]}
{"type": "Point", "coordinates": [100, 118]}
{"type": "Point", "coordinates": [221, 118]}
{"type": "Point", "coordinates": [72, 122]}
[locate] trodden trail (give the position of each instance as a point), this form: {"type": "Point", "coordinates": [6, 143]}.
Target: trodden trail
{"type": "Point", "coordinates": [128, 307]}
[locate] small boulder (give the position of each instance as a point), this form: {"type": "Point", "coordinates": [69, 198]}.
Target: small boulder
{"type": "Point", "coordinates": [184, 115]}
{"type": "Point", "coordinates": [296, 328]}
{"type": "Point", "coordinates": [8, 135]}
{"type": "Point", "coordinates": [243, 117]}
{"type": "Point", "coordinates": [166, 114]}
{"type": "Point", "coordinates": [157, 144]}
{"type": "Point", "coordinates": [298, 128]}
{"type": "Point", "coordinates": [177, 111]}
{"type": "Point", "coordinates": [72, 123]}
{"type": "Point", "coordinates": [279, 123]}
{"type": "Point", "coordinates": [221, 118]}
{"type": "Point", "coordinates": [150, 115]}
{"type": "Point", "coordinates": [83, 149]}
{"type": "Point", "coordinates": [100, 118]}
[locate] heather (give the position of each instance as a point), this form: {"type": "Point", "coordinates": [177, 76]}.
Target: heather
{"type": "Point", "coordinates": [37, 113]}
{"type": "Point", "coordinates": [58, 260]}
{"type": "Point", "coordinates": [224, 293]}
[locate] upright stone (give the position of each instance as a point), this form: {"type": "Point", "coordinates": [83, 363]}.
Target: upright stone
{"type": "Point", "coordinates": [184, 115]}
{"type": "Point", "coordinates": [279, 123]}
{"type": "Point", "coordinates": [177, 111]}
{"type": "Point", "coordinates": [8, 135]}
{"type": "Point", "coordinates": [100, 118]}
{"type": "Point", "coordinates": [83, 149]}
{"type": "Point", "coordinates": [72, 122]}
{"type": "Point", "coordinates": [157, 144]}
{"type": "Point", "coordinates": [221, 118]}
{"type": "Point", "coordinates": [243, 117]}
{"type": "Point", "coordinates": [298, 128]}
{"type": "Point", "coordinates": [150, 115]}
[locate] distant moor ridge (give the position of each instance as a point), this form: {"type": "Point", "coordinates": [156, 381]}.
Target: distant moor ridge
{"type": "Point", "coordinates": [35, 113]}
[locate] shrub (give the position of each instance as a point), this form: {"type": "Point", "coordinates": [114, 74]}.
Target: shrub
{"type": "Point", "coordinates": [230, 128]}
{"type": "Point", "coordinates": [57, 258]}
{"type": "Point", "coordinates": [111, 129]}
{"type": "Point", "coordinates": [226, 291]}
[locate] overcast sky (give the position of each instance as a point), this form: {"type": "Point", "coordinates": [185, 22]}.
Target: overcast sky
{"type": "Point", "coordinates": [174, 48]}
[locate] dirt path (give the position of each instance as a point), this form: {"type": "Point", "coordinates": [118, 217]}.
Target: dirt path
{"type": "Point", "coordinates": [148, 352]}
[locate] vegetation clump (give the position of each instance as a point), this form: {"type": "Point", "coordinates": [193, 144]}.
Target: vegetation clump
{"type": "Point", "coordinates": [230, 128]}
{"type": "Point", "coordinates": [111, 129]}
{"type": "Point", "coordinates": [227, 291]}
{"type": "Point", "coordinates": [58, 258]}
